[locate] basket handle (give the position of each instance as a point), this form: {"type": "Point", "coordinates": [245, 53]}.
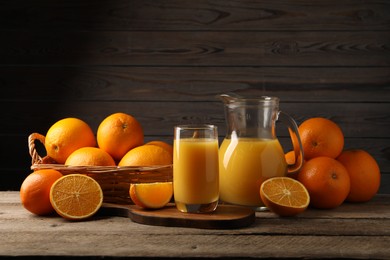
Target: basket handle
{"type": "Point", "coordinates": [35, 157]}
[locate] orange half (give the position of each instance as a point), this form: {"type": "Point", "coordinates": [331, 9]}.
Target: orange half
{"type": "Point", "coordinates": [151, 195]}
{"type": "Point", "coordinates": [284, 196]}
{"type": "Point", "coordinates": [76, 196]}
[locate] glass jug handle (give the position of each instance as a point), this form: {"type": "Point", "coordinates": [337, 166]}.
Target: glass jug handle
{"type": "Point", "coordinates": [296, 142]}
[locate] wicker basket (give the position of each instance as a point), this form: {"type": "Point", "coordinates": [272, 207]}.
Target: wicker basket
{"type": "Point", "coordinates": [114, 180]}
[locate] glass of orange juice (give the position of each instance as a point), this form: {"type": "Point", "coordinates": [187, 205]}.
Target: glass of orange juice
{"type": "Point", "coordinates": [196, 168]}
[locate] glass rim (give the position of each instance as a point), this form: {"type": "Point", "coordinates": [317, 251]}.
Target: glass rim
{"type": "Point", "coordinates": [196, 126]}
{"type": "Point", "coordinates": [228, 99]}
{"type": "Point", "coordinates": [262, 99]}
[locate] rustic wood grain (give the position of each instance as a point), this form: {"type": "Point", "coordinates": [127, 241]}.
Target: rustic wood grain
{"type": "Point", "coordinates": [224, 217]}
{"type": "Point", "coordinates": [196, 15]}
{"type": "Point", "coordinates": [295, 84]}
{"type": "Point", "coordinates": [355, 119]}
{"type": "Point", "coordinates": [346, 232]}
{"type": "Point", "coordinates": [165, 48]}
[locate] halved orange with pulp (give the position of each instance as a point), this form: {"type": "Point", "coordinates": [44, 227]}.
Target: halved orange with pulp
{"type": "Point", "coordinates": [76, 196]}
{"type": "Point", "coordinates": [284, 196]}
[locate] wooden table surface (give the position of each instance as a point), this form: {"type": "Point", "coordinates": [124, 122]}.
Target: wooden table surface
{"type": "Point", "coordinates": [350, 231]}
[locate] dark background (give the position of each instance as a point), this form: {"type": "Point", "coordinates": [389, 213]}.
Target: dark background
{"type": "Point", "coordinates": [165, 62]}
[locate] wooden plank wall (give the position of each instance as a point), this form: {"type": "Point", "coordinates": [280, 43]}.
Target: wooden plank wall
{"type": "Point", "coordinates": [165, 62]}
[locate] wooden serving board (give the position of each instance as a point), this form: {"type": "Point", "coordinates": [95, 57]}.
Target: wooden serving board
{"type": "Point", "coordinates": [224, 217]}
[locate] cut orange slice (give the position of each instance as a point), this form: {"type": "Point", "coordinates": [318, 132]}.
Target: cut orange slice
{"type": "Point", "coordinates": [151, 195]}
{"type": "Point", "coordinates": [76, 196]}
{"type": "Point", "coordinates": [284, 196]}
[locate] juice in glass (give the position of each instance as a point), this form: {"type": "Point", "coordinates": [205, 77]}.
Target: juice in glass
{"type": "Point", "coordinates": [244, 163]}
{"type": "Point", "coordinates": [196, 173]}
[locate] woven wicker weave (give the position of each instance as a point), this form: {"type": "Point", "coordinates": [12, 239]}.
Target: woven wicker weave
{"type": "Point", "coordinates": [114, 180]}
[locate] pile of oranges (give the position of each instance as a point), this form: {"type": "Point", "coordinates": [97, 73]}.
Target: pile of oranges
{"type": "Point", "coordinates": [330, 173]}
{"type": "Point", "coordinates": [119, 141]}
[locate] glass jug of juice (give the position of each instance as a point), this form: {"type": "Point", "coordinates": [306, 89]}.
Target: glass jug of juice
{"type": "Point", "coordinates": [250, 152]}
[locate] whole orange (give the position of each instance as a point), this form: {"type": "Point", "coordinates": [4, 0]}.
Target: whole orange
{"type": "Point", "coordinates": [35, 191]}
{"type": "Point", "coordinates": [67, 135]}
{"type": "Point", "coordinates": [90, 156]}
{"type": "Point", "coordinates": [326, 180]}
{"type": "Point", "coordinates": [364, 174]}
{"type": "Point", "coordinates": [146, 155]}
{"type": "Point", "coordinates": [321, 137]}
{"type": "Point", "coordinates": [118, 133]}
{"type": "Point", "coordinates": [162, 144]}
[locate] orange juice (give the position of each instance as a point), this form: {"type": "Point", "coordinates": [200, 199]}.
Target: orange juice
{"type": "Point", "coordinates": [195, 170]}
{"type": "Point", "coordinates": [244, 163]}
